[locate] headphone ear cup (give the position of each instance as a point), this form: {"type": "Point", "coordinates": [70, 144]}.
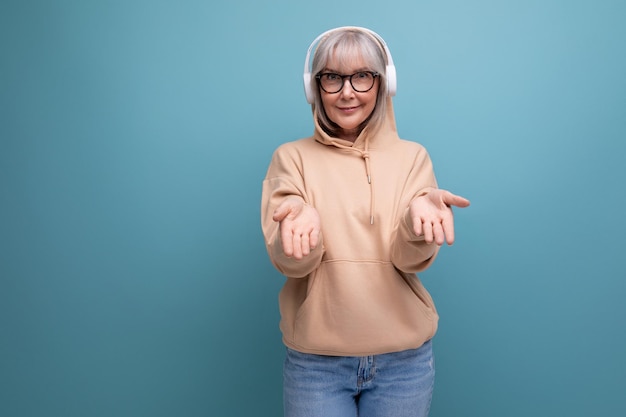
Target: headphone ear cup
{"type": "Point", "coordinates": [310, 97]}
{"type": "Point", "coordinates": [391, 80]}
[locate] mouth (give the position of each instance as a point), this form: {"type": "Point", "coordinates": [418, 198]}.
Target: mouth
{"type": "Point", "coordinates": [348, 109]}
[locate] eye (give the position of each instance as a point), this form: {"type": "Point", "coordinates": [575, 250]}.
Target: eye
{"type": "Point", "coordinates": [332, 77]}
{"type": "Point", "coordinates": [362, 75]}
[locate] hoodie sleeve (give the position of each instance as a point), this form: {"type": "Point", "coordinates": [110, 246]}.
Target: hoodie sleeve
{"type": "Point", "coordinates": [409, 252]}
{"type": "Point", "coordinates": [284, 179]}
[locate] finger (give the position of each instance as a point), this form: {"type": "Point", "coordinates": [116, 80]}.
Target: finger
{"type": "Point", "coordinates": [306, 248]}
{"type": "Point", "coordinates": [427, 229]}
{"type": "Point", "coordinates": [417, 226]}
{"type": "Point", "coordinates": [281, 212]}
{"type": "Point", "coordinates": [455, 200]}
{"type": "Point", "coordinates": [448, 229]}
{"type": "Point", "coordinates": [297, 246]}
{"type": "Point", "coordinates": [286, 236]}
{"type": "Point", "coordinates": [314, 238]}
{"type": "Point", "coordinates": [438, 234]}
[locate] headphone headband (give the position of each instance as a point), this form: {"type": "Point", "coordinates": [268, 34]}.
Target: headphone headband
{"type": "Point", "coordinates": [390, 70]}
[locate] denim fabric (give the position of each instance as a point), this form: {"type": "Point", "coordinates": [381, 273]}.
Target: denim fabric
{"type": "Point", "coordinates": [396, 384]}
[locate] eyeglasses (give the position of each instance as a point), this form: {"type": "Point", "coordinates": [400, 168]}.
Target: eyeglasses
{"type": "Point", "coordinates": [361, 81]}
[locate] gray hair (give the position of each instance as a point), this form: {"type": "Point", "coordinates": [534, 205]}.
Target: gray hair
{"type": "Point", "coordinates": [348, 44]}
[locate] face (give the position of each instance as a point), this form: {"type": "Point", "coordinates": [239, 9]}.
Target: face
{"type": "Point", "coordinates": [349, 108]}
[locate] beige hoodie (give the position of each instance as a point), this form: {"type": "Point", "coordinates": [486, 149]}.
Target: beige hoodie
{"type": "Point", "coordinates": [356, 293]}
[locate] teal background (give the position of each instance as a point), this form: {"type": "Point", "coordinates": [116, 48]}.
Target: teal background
{"type": "Point", "coordinates": [134, 139]}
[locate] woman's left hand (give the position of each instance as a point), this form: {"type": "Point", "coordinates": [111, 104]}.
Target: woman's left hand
{"type": "Point", "coordinates": [432, 215]}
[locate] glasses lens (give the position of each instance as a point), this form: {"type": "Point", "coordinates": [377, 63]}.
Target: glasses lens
{"type": "Point", "coordinates": [331, 83]}
{"type": "Point", "coordinates": [362, 81]}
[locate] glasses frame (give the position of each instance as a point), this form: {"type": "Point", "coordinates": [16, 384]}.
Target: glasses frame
{"type": "Point", "coordinates": [318, 77]}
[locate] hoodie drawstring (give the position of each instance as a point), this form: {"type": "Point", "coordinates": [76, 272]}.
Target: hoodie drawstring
{"type": "Point", "coordinates": [366, 157]}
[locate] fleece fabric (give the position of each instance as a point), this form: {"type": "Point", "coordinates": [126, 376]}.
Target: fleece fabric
{"type": "Point", "coordinates": [357, 292]}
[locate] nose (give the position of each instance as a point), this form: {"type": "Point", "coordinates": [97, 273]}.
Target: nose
{"type": "Point", "coordinates": [347, 90]}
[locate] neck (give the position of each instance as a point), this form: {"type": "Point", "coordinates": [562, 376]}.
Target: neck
{"type": "Point", "coordinates": [349, 134]}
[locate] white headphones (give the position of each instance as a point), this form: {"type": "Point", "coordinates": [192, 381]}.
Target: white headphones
{"type": "Point", "coordinates": [390, 70]}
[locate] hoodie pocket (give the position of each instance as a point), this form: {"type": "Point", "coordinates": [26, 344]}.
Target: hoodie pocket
{"type": "Point", "coordinates": [363, 306]}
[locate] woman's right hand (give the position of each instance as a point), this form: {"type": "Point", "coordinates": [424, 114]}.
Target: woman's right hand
{"type": "Point", "coordinates": [300, 227]}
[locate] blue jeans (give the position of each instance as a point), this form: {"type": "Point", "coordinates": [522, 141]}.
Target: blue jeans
{"type": "Point", "coordinates": [396, 384]}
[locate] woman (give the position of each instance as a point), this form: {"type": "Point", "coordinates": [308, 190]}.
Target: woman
{"type": "Point", "coordinates": [350, 215]}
